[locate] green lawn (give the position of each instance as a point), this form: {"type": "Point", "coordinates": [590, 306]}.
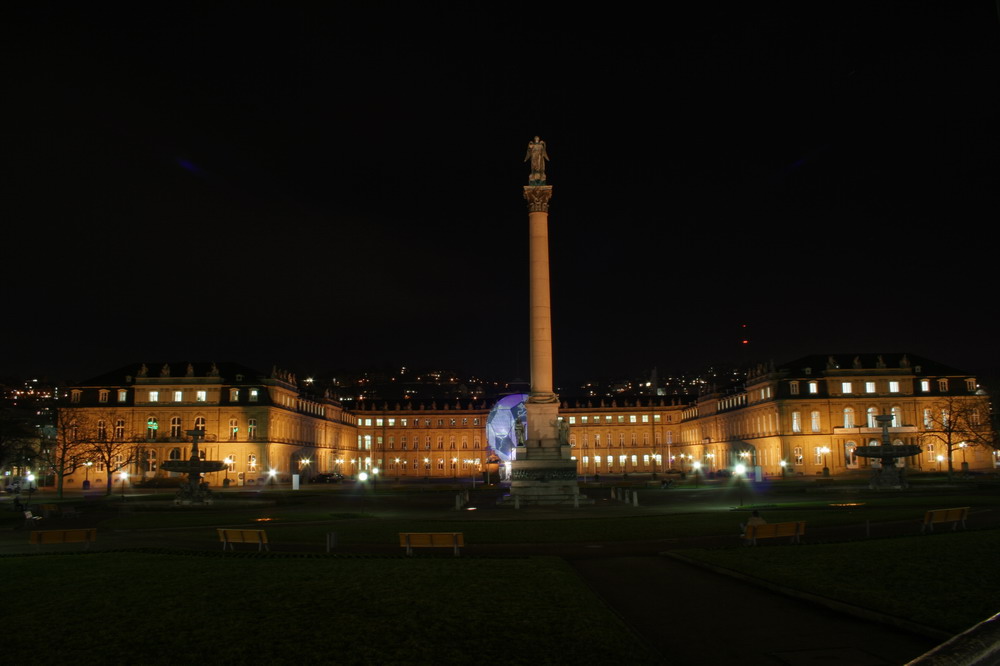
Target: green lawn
{"type": "Point", "coordinates": [165, 608]}
{"type": "Point", "coordinates": [947, 580]}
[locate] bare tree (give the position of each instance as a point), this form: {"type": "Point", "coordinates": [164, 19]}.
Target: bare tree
{"type": "Point", "coordinates": [112, 444]}
{"type": "Point", "coordinates": [957, 422]}
{"type": "Point", "coordinates": [68, 451]}
{"type": "Point", "coordinates": [18, 438]}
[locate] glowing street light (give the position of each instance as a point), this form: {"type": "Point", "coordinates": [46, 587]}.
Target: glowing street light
{"type": "Point", "coordinates": [940, 459]}
{"type": "Point", "coordinates": [826, 467]}
{"type": "Point", "coordinates": [229, 461]}
{"type": "Point", "coordinates": [123, 476]}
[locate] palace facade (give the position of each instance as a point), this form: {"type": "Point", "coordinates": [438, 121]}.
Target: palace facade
{"type": "Point", "coordinates": [796, 418]}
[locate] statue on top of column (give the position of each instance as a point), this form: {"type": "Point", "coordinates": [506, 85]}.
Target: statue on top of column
{"type": "Point", "coordinates": [536, 153]}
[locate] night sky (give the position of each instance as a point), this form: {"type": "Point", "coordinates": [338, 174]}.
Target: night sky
{"type": "Point", "coordinates": [341, 188]}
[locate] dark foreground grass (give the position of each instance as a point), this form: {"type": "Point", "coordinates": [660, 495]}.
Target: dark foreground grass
{"type": "Point", "coordinates": [165, 608]}
{"type": "Point", "coordinates": [947, 581]}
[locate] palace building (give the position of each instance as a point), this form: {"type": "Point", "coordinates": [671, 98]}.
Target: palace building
{"type": "Point", "coordinates": [812, 413]}
{"type": "Point", "coordinates": [797, 418]}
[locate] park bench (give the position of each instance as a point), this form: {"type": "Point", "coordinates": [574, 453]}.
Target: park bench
{"type": "Point", "coordinates": [31, 519]}
{"type": "Point", "coordinates": [953, 516]}
{"type": "Point", "coordinates": [793, 529]}
{"type": "Point", "coordinates": [230, 536]}
{"type": "Point", "coordinates": [411, 540]}
{"type": "Point", "coordinates": [85, 535]}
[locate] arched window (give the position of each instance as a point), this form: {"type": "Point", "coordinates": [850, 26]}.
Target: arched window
{"type": "Point", "coordinates": [152, 425]}
{"type": "Point", "coordinates": [175, 454]}
{"type": "Point", "coordinates": [120, 429]}
{"type": "Point", "coordinates": [872, 413]}
{"type": "Point", "coordinates": [150, 460]}
{"type": "Point", "coordinates": [897, 416]}
{"type": "Point", "coordinates": [175, 427]}
{"type": "Point", "coordinates": [252, 462]}
{"type": "Point", "coordinates": [199, 423]}
{"type": "Point", "coordinates": [251, 429]}
{"type": "Point", "coordinates": [102, 430]}
{"type": "Point", "coordinates": [796, 421]}
{"type": "Point", "coordinates": [848, 417]}
{"type": "Point", "coordinates": [850, 457]}
{"type": "Point", "coordinates": [234, 429]}
{"type": "Point", "coordinates": [814, 420]}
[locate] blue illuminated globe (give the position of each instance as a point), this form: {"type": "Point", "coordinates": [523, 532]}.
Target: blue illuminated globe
{"type": "Point", "coordinates": [500, 432]}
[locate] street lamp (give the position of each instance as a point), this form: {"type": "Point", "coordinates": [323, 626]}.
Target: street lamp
{"type": "Point", "coordinates": [123, 475]}
{"type": "Point", "coordinates": [271, 473]}
{"type": "Point", "coordinates": [740, 470]}
{"type": "Point", "coordinates": [784, 468]}
{"type": "Point", "coordinates": [229, 461]}
{"type": "Point", "coordinates": [397, 470]}
{"type": "Point", "coordinates": [940, 459]}
{"type": "Point", "coordinates": [826, 467]}
{"type": "Point", "coordinates": [374, 479]}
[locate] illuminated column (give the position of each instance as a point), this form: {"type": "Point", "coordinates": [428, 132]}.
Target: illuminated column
{"type": "Point", "coordinates": [541, 311]}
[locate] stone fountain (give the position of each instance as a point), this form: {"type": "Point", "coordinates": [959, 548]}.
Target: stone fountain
{"type": "Point", "coordinates": [194, 491]}
{"type": "Point", "coordinates": [887, 475]}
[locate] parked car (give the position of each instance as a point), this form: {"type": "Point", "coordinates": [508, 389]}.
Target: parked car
{"type": "Point", "coordinates": [335, 477]}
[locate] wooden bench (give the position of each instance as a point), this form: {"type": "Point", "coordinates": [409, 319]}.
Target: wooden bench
{"type": "Point", "coordinates": [773, 530]}
{"type": "Point", "coordinates": [411, 540]}
{"type": "Point", "coordinates": [953, 516]}
{"type": "Point", "coordinates": [230, 536]}
{"type": "Point", "coordinates": [86, 535]}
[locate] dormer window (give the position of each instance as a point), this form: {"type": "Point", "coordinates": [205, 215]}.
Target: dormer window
{"type": "Point", "coordinates": [102, 395]}
{"type": "Point", "coordinates": [122, 395]}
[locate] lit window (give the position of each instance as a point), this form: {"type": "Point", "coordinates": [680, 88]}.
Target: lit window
{"type": "Point", "coordinates": [123, 395]}
{"type": "Point", "coordinates": [645, 418]}
{"type": "Point", "coordinates": [818, 455]}
{"type": "Point", "coordinates": [234, 395]}
{"type": "Point", "coordinates": [199, 423]}
{"type": "Point", "coordinates": [403, 422]}
{"type": "Point", "coordinates": [102, 395]}
{"type": "Point", "coordinates": [252, 462]}
{"type": "Point", "coordinates": [631, 418]}
{"type": "Point", "coordinates": [392, 423]}
{"type": "Point", "coordinates": [814, 421]}
{"type": "Point", "coordinates": [897, 417]}
{"type": "Point", "coordinates": [848, 417]}
{"type": "Point", "coordinates": [797, 455]}
{"type": "Point", "coordinates": [928, 419]}
{"type": "Point", "coordinates": [201, 396]}
{"type": "Point", "coordinates": [845, 387]}
{"type": "Point", "coordinates": [154, 396]}
{"type": "Point", "coordinates": [796, 422]}
{"type": "Point", "coordinates": [178, 396]}
{"type": "Point", "coordinates": [621, 418]}
{"type": "Point", "coordinates": [793, 388]}
{"type": "Point", "coordinates": [893, 387]}
{"type": "Point", "coordinates": [925, 385]}
{"type": "Point", "coordinates": [234, 429]}
{"type": "Point", "coordinates": [378, 423]}
{"type": "Point", "coordinates": [572, 420]}
{"type": "Point", "coordinates": [368, 422]}
{"type": "Point", "coordinates": [152, 425]}
{"type": "Point", "coordinates": [583, 419]}
{"type": "Point", "coordinates": [465, 422]}
{"type": "Point", "coordinates": [872, 413]}
{"type": "Point", "coordinates": [253, 395]}
{"type": "Point", "coordinates": [475, 421]}
{"type": "Point", "coordinates": [813, 387]}
{"type": "Point", "coordinates": [656, 418]}
{"type": "Point", "coordinates": [869, 387]}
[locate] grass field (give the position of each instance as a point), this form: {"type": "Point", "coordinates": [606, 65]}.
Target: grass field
{"type": "Point", "coordinates": [946, 581]}
{"type": "Point", "coordinates": [165, 608]}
